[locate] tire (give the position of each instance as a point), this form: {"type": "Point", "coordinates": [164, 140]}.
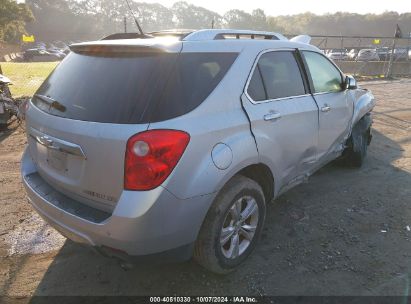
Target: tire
{"type": "Point", "coordinates": [357, 150]}
{"type": "Point", "coordinates": [240, 192]}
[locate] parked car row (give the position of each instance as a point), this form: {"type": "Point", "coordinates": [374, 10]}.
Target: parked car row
{"type": "Point", "coordinates": [369, 54]}
{"type": "Point", "coordinates": [42, 51]}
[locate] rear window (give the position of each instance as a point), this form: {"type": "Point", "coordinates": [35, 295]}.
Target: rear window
{"type": "Point", "coordinates": [131, 88]}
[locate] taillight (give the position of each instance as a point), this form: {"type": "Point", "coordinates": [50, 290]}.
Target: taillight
{"type": "Point", "coordinates": [151, 156]}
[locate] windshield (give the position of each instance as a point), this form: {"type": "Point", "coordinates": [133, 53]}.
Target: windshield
{"type": "Point", "coordinates": [132, 88]}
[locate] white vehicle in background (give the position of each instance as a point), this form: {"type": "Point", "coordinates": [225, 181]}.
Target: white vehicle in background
{"type": "Point", "coordinates": [401, 54]}
{"type": "Point", "coordinates": [59, 54]}
{"type": "Point", "coordinates": [384, 53]}
{"type": "Point", "coordinates": [368, 55]}
{"type": "Point", "coordinates": [338, 54]}
{"type": "Point", "coordinates": [352, 54]}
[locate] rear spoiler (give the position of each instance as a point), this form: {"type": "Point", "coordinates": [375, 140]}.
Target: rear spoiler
{"type": "Point", "coordinates": [118, 36]}
{"type": "Point", "coordinates": [111, 49]}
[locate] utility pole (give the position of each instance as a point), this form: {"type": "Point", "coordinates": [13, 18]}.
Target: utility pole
{"type": "Point", "coordinates": [397, 34]}
{"type": "Point", "coordinates": [389, 69]}
{"type": "Point", "coordinates": [125, 24]}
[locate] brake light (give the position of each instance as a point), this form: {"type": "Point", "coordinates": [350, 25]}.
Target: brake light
{"type": "Point", "coordinates": [151, 156]}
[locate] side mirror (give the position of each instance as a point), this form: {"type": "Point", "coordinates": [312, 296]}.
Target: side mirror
{"type": "Point", "coordinates": [350, 83]}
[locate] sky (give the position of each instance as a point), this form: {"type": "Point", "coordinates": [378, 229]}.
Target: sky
{"type": "Point", "coordinates": [290, 7]}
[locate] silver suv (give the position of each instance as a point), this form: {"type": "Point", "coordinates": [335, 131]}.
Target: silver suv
{"type": "Point", "coordinates": [172, 145]}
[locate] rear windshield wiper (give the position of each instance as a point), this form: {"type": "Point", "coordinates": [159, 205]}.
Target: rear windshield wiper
{"type": "Point", "coordinates": [51, 102]}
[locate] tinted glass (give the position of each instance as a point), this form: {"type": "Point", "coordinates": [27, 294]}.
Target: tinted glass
{"type": "Point", "coordinates": [129, 88]}
{"type": "Point", "coordinates": [281, 75]}
{"type": "Point", "coordinates": [325, 76]}
{"type": "Point", "coordinates": [192, 80]}
{"type": "Point", "coordinates": [256, 88]}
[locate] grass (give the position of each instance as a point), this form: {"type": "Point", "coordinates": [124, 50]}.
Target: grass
{"type": "Point", "coordinates": [26, 77]}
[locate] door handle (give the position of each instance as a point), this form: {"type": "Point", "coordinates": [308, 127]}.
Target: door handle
{"type": "Point", "coordinates": [272, 116]}
{"type": "Point", "coordinates": [326, 108]}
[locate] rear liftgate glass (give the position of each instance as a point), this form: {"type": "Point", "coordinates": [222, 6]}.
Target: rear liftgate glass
{"type": "Point", "coordinates": [131, 88]}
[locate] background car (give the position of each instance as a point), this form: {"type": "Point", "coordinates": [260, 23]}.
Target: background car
{"type": "Point", "coordinates": [40, 54]}
{"type": "Point", "coordinates": [57, 53]}
{"type": "Point", "coordinates": [338, 54]}
{"type": "Point", "coordinates": [401, 54]}
{"type": "Point", "coordinates": [352, 54]}
{"type": "Point", "coordinates": [368, 55]}
{"type": "Point", "coordinates": [384, 53]}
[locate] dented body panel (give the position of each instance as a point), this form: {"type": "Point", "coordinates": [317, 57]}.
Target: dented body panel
{"type": "Point", "coordinates": [364, 102]}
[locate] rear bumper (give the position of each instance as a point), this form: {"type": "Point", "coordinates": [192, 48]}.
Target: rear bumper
{"type": "Point", "coordinates": [142, 223]}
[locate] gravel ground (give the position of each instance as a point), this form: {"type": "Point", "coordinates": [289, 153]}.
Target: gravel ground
{"type": "Point", "coordinates": [344, 232]}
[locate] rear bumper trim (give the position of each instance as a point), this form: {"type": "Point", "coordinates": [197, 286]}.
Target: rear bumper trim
{"type": "Point", "coordinates": [179, 254]}
{"type": "Point", "coordinates": [64, 230]}
{"type": "Point", "coordinates": [59, 200]}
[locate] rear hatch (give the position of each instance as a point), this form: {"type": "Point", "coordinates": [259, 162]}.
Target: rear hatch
{"type": "Point", "coordinates": [102, 94]}
{"type": "Point", "coordinates": [81, 117]}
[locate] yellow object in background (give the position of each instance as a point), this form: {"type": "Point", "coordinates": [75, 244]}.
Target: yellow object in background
{"type": "Point", "coordinates": [376, 41]}
{"type": "Point", "coordinates": [28, 38]}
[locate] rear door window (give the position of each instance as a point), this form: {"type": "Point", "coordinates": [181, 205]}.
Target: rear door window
{"type": "Point", "coordinates": [131, 88]}
{"type": "Point", "coordinates": [276, 75]}
{"type": "Point", "coordinates": [256, 89]}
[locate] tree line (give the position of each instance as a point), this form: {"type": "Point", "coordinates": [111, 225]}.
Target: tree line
{"type": "Point", "coordinates": [13, 19]}
{"type": "Point", "coordinates": [66, 20]}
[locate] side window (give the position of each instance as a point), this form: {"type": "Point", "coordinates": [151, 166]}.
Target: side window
{"type": "Point", "coordinates": [278, 74]}
{"type": "Point", "coordinates": [256, 88]}
{"type": "Point", "coordinates": [325, 76]}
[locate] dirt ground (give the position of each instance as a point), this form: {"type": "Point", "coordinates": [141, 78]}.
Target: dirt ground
{"type": "Point", "coordinates": [344, 232]}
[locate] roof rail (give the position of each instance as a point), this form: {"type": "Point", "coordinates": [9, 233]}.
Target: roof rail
{"type": "Point", "coordinates": [200, 35]}
{"type": "Point", "coordinates": [216, 34]}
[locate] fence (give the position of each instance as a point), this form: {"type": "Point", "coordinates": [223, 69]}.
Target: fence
{"type": "Point", "coordinates": [347, 51]}
{"type": "Point", "coordinates": [368, 55]}
{"type": "Point", "coordinates": [358, 42]}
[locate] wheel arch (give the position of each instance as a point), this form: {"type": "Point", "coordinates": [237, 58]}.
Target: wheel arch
{"type": "Point", "coordinates": [261, 174]}
{"type": "Point", "coordinates": [361, 126]}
